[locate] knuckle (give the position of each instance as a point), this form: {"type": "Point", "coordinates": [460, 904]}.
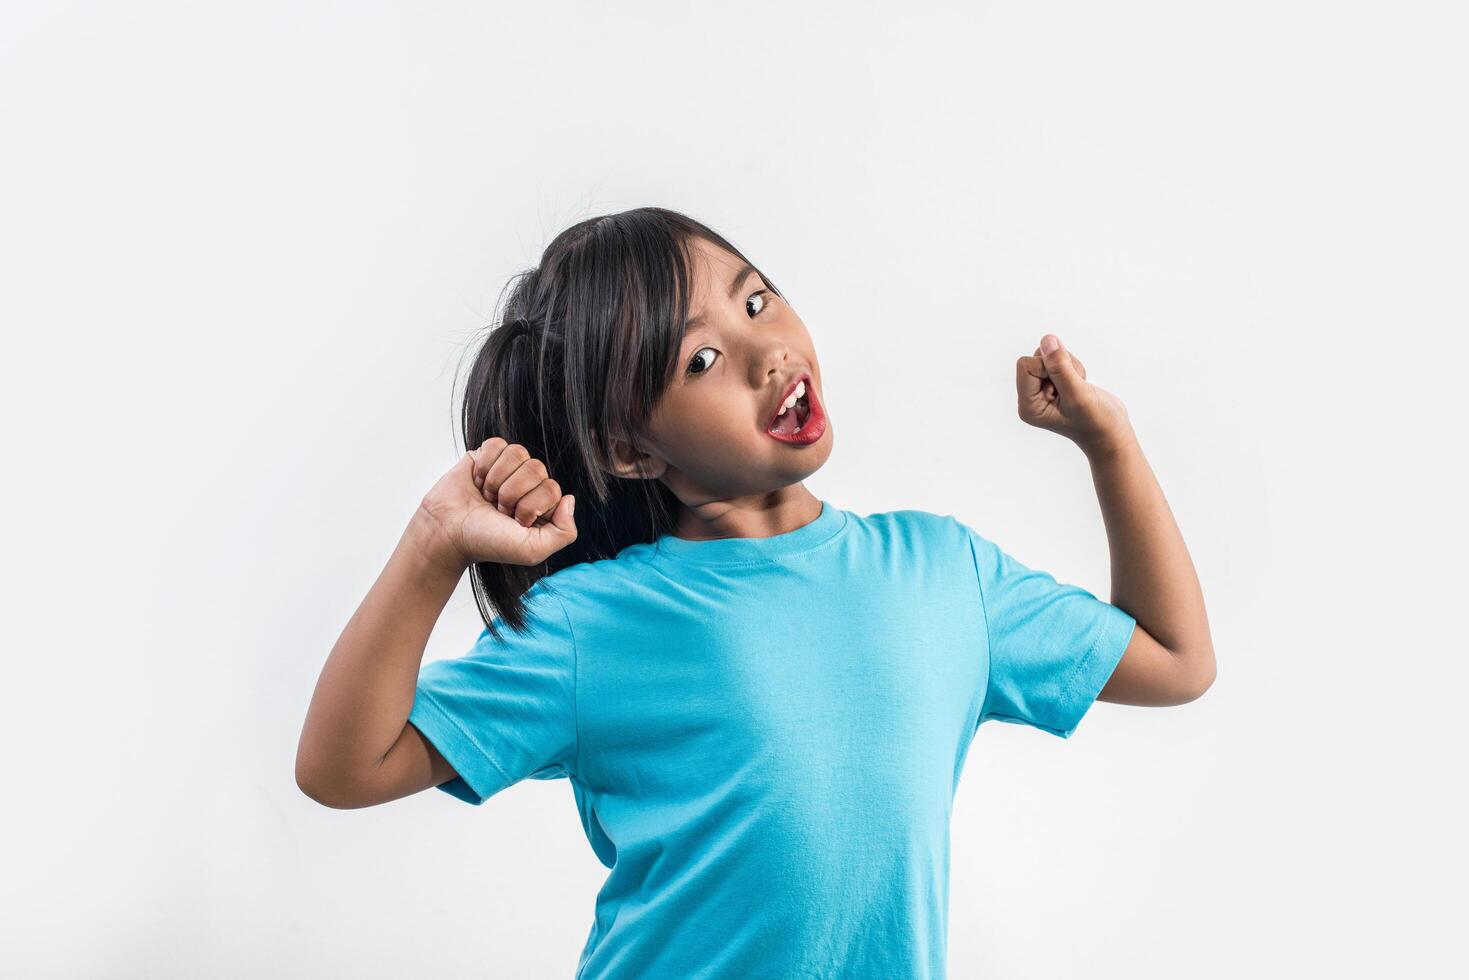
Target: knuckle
{"type": "Point", "coordinates": [553, 487]}
{"type": "Point", "coordinates": [537, 467]}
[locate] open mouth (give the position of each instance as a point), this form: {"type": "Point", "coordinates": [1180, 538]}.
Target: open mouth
{"type": "Point", "coordinates": [799, 417]}
{"type": "Point", "coordinates": [789, 420]}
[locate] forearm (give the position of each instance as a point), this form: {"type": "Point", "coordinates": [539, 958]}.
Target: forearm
{"type": "Point", "coordinates": [366, 689]}
{"type": "Point", "coordinates": [1153, 577]}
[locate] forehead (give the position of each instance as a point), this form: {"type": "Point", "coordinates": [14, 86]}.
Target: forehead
{"type": "Point", "coordinates": [711, 269]}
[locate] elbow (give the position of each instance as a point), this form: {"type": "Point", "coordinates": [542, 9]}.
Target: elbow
{"type": "Point", "coordinates": [321, 790]}
{"type": "Point", "coordinates": [310, 785]}
{"type": "Point", "coordinates": [326, 796]}
{"type": "Point", "coordinates": [307, 780]}
{"type": "Point", "coordinates": [1199, 679]}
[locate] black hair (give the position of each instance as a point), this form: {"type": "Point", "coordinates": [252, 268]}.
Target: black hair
{"type": "Point", "coordinates": [581, 352]}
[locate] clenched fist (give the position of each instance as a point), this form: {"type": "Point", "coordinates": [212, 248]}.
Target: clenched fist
{"type": "Point", "coordinates": [498, 504]}
{"type": "Point", "coordinates": [1054, 394]}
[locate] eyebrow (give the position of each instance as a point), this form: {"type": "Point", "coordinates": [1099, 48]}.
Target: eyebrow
{"type": "Point", "coordinates": [739, 278]}
{"type": "Point", "coordinates": [734, 287]}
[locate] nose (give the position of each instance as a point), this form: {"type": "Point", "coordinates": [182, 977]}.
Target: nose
{"type": "Point", "coordinates": [769, 360]}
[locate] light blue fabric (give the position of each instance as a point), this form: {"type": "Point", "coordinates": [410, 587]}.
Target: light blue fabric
{"type": "Point", "coordinates": [763, 735]}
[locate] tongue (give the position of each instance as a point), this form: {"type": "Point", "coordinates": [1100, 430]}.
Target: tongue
{"type": "Point", "coordinates": [785, 424]}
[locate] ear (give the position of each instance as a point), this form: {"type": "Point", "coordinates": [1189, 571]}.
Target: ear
{"type": "Point", "coordinates": [631, 464]}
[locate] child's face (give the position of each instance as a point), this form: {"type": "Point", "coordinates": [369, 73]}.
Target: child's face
{"type": "Point", "coordinates": [709, 437]}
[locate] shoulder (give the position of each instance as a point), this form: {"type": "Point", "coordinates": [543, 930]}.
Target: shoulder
{"type": "Point", "coordinates": [589, 578]}
{"type": "Point", "coordinates": [577, 584]}
{"type": "Point", "coordinates": [922, 533]}
{"type": "Point", "coordinates": [917, 536]}
{"type": "Point", "coordinates": [917, 526]}
{"type": "Point", "coordinates": [587, 588]}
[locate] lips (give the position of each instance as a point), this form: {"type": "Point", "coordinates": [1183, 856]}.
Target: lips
{"type": "Point", "coordinates": [803, 422]}
{"type": "Point", "coordinates": [795, 382]}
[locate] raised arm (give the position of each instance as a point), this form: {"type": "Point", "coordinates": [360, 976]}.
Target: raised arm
{"type": "Point", "coordinates": [356, 747]}
{"type": "Point", "coordinates": [360, 706]}
{"type": "Point", "coordinates": [1170, 659]}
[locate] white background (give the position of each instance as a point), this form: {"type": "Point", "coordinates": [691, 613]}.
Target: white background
{"type": "Point", "coordinates": [245, 249]}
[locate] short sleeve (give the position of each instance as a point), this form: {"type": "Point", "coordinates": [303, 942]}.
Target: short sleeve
{"type": "Point", "coordinates": [1052, 646]}
{"type": "Point", "coordinates": [506, 710]}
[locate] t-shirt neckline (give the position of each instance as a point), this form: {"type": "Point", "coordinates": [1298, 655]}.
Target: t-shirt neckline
{"type": "Point", "coordinates": [722, 551]}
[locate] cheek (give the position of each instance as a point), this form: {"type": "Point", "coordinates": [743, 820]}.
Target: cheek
{"type": "Point", "coordinates": [703, 424]}
{"type": "Point", "coordinates": [701, 434]}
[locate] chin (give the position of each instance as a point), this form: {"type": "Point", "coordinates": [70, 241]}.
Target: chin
{"type": "Point", "coordinates": [801, 463]}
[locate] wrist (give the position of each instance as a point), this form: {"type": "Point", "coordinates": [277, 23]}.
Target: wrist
{"type": "Point", "coordinates": [1111, 446]}
{"type": "Point", "coordinates": [429, 543]}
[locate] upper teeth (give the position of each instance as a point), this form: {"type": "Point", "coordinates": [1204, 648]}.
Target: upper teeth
{"type": "Point", "coordinates": [800, 390]}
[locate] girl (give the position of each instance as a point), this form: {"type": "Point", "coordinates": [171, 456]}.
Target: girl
{"type": "Point", "coordinates": [763, 702]}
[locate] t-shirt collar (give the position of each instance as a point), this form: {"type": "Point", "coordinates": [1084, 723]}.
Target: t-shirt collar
{"type": "Point", "coordinates": [829, 523]}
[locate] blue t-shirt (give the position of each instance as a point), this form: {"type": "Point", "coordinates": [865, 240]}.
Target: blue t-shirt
{"type": "Point", "coordinates": [764, 735]}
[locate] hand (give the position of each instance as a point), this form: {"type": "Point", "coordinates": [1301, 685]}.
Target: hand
{"type": "Point", "coordinates": [498, 504]}
{"type": "Point", "coordinates": [1054, 394]}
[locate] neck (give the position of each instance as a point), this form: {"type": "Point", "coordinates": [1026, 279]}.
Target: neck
{"type": "Point", "coordinates": [754, 516]}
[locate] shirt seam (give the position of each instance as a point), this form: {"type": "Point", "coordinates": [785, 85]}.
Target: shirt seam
{"type": "Point", "coordinates": [989, 643]}
{"type": "Point", "coordinates": [767, 560]}
{"type": "Point", "coordinates": [575, 682]}
{"type": "Point", "coordinates": [468, 736]}
{"type": "Point", "coordinates": [1067, 704]}
{"type": "Point", "coordinates": [1103, 626]}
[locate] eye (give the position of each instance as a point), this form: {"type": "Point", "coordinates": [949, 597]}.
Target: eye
{"type": "Point", "coordinates": [700, 363]}
{"type": "Point", "coordinates": [705, 357]}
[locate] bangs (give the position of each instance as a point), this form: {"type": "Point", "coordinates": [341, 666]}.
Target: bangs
{"type": "Point", "coordinates": [630, 301]}
{"type": "Point", "coordinates": [634, 272]}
